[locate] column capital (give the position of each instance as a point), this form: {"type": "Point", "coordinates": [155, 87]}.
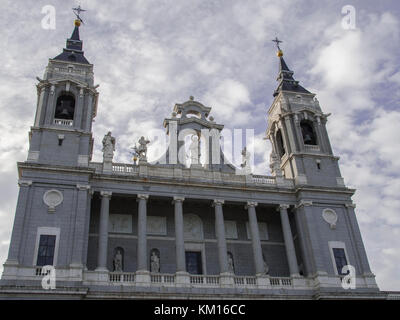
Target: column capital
{"type": "Point", "coordinates": [218, 202]}
{"type": "Point", "coordinates": [350, 205]}
{"type": "Point", "coordinates": [304, 203]}
{"type": "Point", "coordinates": [24, 183]}
{"type": "Point", "coordinates": [83, 187]}
{"type": "Point", "coordinates": [178, 199]}
{"type": "Point", "coordinates": [106, 194]}
{"type": "Point", "coordinates": [251, 204]}
{"type": "Point", "coordinates": [142, 196]}
{"type": "Point", "coordinates": [283, 206]}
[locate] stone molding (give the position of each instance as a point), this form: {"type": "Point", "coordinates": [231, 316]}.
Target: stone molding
{"type": "Point", "coordinates": [350, 205]}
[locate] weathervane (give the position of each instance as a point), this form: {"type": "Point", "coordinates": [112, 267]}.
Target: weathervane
{"type": "Point", "coordinates": [77, 11]}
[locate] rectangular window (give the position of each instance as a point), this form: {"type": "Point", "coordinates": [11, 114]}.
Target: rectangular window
{"type": "Point", "coordinates": [46, 249]}
{"type": "Point", "coordinates": [340, 259]}
{"type": "Point", "coordinates": [193, 262]}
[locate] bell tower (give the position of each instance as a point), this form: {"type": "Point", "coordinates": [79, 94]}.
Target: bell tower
{"type": "Point", "coordinates": [297, 130]}
{"type": "Point", "coordinates": [66, 107]}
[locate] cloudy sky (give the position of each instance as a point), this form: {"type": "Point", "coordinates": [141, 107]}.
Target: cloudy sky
{"type": "Point", "coordinates": [150, 54]}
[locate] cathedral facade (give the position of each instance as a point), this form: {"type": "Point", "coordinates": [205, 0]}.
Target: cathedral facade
{"type": "Point", "coordinates": [171, 230]}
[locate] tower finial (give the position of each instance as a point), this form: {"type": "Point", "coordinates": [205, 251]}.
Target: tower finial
{"type": "Point", "coordinates": [277, 41]}
{"type": "Point", "coordinates": [77, 11]}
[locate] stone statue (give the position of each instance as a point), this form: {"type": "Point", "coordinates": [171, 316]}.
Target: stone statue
{"type": "Point", "coordinates": [274, 164]}
{"type": "Point", "coordinates": [155, 262]}
{"type": "Point", "coordinates": [266, 267]}
{"type": "Point", "coordinates": [141, 151]}
{"type": "Point", "coordinates": [108, 147]}
{"type": "Point", "coordinates": [194, 150]}
{"type": "Point", "coordinates": [230, 264]}
{"type": "Point", "coordinates": [245, 158]}
{"type": "Point", "coordinates": [118, 261]}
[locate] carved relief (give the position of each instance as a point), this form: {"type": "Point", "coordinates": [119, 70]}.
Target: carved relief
{"type": "Point", "coordinates": [230, 229]}
{"type": "Point", "coordinates": [52, 198]}
{"type": "Point", "coordinates": [330, 216]}
{"type": "Point", "coordinates": [120, 223]}
{"type": "Point", "coordinates": [192, 227]}
{"type": "Point", "coordinates": [156, 225]}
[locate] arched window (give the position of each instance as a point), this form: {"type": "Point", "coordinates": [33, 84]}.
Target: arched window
{"type": "Point", "coordinates": [65, 107]}
{"type": "Point", "coordinates": [279, 142]}
{"type": "Point", "coordinates": [155, 260]}
{"type": "Point", "coordinates": [307, 130]}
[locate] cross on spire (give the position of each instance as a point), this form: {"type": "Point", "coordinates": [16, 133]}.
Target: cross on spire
{"type": "Point", "coordinates": [77, 11]}
{"type": "Point", "coordinates": [277, 41]}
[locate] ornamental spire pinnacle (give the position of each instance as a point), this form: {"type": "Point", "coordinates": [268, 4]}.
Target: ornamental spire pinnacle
{"type": "Point", "coordinates": [73, 51]}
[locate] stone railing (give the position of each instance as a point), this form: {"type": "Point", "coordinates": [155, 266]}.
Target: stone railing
{"type": "Point", "coordinates": [64, 122]}
{"type": "Point", "coordinates": [125, 277]}
{"type": "Point", "coordinates": [274, 281]}
{"type": "Point", "coordinates": [199, 280]}
{"type": "Point", "coordinates": [162, 278]}
{"type": "Point", "coordinates": [187, 174]}
{"type": "Point", "coordinates": [123, 168]}
{"type": "Point", "coordinates": [311, 148]}
{"type": "Point", "coordinates": [245, 281]}
{"type": "Point", "coordinates": [204, 280]}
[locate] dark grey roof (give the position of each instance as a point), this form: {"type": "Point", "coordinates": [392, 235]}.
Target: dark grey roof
{"type": "Point", "coordinates": [286, 80]}
{"type": "Point", "coordinates": [73, 51]}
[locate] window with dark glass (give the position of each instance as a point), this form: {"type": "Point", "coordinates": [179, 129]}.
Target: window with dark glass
{"type": "Point", "coordinates": [65, 107]}
{"type": "Point", "coordinates": [307, 130]}
{"type": "Point", "coordinates": [193, 262]}
{"type": "Point", "coordinates": [46, 250]}
{"type": "Point", "coordinates": [340, 259]}
{"type": "Point", "coordinates": [280, 145]}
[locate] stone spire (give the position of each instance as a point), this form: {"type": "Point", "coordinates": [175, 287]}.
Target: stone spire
{"type": "Point", "coordinates": [285, 79]}
{"type": "Point", "coordinates": [73, 51]}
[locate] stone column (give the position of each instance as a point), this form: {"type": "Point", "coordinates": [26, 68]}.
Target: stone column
{"type": "Point", "coordinates": [220, 233]}
{"type": "Point", "coordinates": [179, 241]}
{"type": "Point", "coordinates": [80, 224]}
{"type": "Point", "coordinates": [255, 238]}
{"type": "Point", "coordinates": [18, 232]}
{"type": "Point", "coordinates": [103, 231]}
{"type": "Point", "coordinates": [289, 244]}
{"type": "Point", "coordinates": [308, 266]}
{"type": "Point", "coordinates": [142, 226]}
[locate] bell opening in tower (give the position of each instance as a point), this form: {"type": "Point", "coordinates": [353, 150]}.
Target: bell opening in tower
{"type": "Point", "coordinates": [65, 107]}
